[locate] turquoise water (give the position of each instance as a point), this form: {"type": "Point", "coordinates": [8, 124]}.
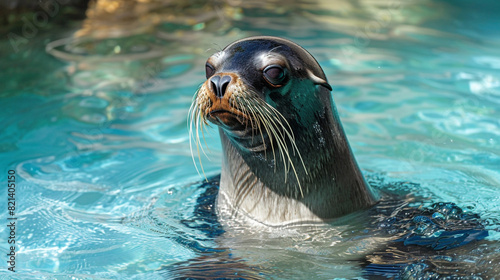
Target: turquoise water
{"type": "Point", "coordinates": [105, 182]}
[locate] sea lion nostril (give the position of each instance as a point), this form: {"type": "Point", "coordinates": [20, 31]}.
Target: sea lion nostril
{"type": "Point", "coordinates": [219, 85]}
{"type": "Point", "coordinates": [224, 82]}
{"type": "Point", "coordinates": [215, 84]}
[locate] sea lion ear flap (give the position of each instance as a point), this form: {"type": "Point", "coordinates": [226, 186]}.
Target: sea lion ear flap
{"type": "Point", "coordinates": [318, 81]}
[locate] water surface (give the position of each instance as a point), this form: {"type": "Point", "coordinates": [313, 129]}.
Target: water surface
{"type": "Point", "coordinates": [95, 127]}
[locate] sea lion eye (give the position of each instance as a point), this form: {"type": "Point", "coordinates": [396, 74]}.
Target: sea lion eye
{"type": "Point", "coordinates": [274, 74]}
{"type": "Point", "coordinates": [209, 70]}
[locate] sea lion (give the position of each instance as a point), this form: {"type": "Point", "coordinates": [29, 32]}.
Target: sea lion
{"type": "Point", "coordinates": [286, 158]}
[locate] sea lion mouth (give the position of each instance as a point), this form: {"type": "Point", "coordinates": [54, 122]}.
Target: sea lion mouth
{"type": "Point", "coordinates": [217, 102]}
{"type": "Point", "coordinates": [227, 119]}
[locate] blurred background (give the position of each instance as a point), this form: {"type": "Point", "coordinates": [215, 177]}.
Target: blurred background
{"type": "Point", "coordinates": [94, 99]}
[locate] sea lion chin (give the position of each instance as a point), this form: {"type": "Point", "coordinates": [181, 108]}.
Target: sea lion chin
{"type": "Point", "coordinates": [286, 158]}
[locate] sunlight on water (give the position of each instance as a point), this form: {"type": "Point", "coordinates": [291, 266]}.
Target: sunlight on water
{"type": "Point", "coordinates": [94, 123]}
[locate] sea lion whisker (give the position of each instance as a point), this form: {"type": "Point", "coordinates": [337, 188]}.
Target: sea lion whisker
{"type": "Point", "coordinates": [251, 108]}
{"type": "Point", "coordinates": [198, 143]}
{"type": "Point", "coordinates": [269, 117]}
{"type": "Point", "coordinates": [274, 134]}
{"type": "Point", "coordinates": [290, 162]}
{"type": "Point", "coordinates": [290, 135]}
{"type": "Point", "coordinates": [267, 128]}
{"type": "Point", "coordinates": [278, 133]}
{"type": "Point", "coordinates": [259, 126]}
{"type": "Point", "coordinates": [200, 120]}
{"type": "Point", "coordinates": [248, 120]}
{"type": "Point", "coordinates": [193, 110]}
{"type": "Point", "coordinates": [264, 122]}
{"type": "Point", "coordinates": [194, 120]}
{"type": "Point", "coordinates": [190, 127]}
{"type": "Point", "coordinates": [204, 124]}
{"type": "Point", "coordinates": [288, 132]}
{"type": "Point", "coordinates": [190, 115]}
{"type": "Point", "coordinates": [282, 146]}
{"type": "Point", "coordinates": [199, 126]}
{"type": "Point", "coordinates": [272, 118]}
{"type": "Point", "coordinates": [243, 110]}
{"type": "Point", "coordinates": [247, 110]}
{"type": "Point", "coordinates": [281, 117]}
{"type": "Point", "coordinates": [277, 116]}
{"type": "Point", "coordinates": [282, 142]}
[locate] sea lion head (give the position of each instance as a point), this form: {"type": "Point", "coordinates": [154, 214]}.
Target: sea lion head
{"type": "Point", "coordinates": [257, 87]}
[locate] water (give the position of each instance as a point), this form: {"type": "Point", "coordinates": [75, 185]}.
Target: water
{"type": "Point", "coordinates": [97, 134]}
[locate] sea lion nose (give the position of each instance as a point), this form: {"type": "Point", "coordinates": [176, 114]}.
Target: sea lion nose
{"type": "Point", "coordinates": [219, 84]}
